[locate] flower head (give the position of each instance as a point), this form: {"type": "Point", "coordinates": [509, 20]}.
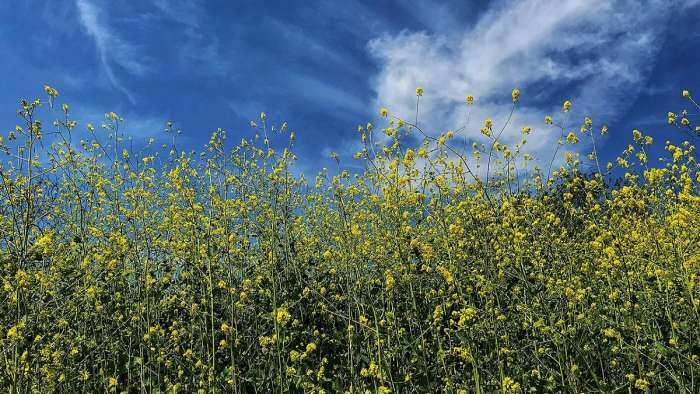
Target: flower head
{"type": "Point", "coordinates": [282, 316]}
{"type": "Point", "coordinates": [636, 134]}
{"type": "Point", "coordinates": [310, 347]}
{"type": "Point", "coordinates": [515, 94]}
{"type": "Point", "coordinates": [567, 106]}
{"type": "Point", "coordinates": [50, 91]}
{"type": "Point", "coordinates": [671, 118]}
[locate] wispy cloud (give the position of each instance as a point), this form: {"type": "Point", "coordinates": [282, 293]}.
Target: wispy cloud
{"type": "Point", "coordinates": [201, 54]}
{"type": "Point", "coordinates": [325, 95]}
{"type": "Point", "coordinates": [599, 52]}
{"type": "Point", "coordinates": [111, 48]}
{"type": "Point", "coordinates": [187, 12]}
{"type": "Point", "coordinates": [201, 51]}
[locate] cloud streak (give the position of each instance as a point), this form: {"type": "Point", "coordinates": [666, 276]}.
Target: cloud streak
{"type": "Point", "coordinates": [111, 48]}
{"type": "Point", "coordinates": [201, 51]}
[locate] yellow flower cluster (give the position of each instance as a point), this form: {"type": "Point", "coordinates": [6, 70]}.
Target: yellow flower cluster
{"type": "Point", "coordinates": [451, 262]}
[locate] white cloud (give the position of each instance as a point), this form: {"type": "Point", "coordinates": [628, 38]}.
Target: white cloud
{"type": "Point", "coordinates": [596, 53]}
{"type": "Point", "coordinates": [112, 49]}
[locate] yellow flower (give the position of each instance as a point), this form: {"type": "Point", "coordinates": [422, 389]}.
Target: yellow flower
{"type": "Point", "coordinates": [526, 129]}
{"type": "Point", "coordinates": [13, 333]}
{"type": "Point", "coordinates": [91, 291]}
{"type": "Point", "coordinates": [50, 91]}
{"type": "Point", "coordinates": [685, 93]}
{"type": "Point", "coordinates": [509, 385]}
{"type": "Point", "coordinates": [384, 112]}
{"type": "Point", "coordinates": [610, 333]}
{"type": "Point", "coordinates": [466, 315]}
{"type": "Point", "coordinates": [671, 118]}
{"type": "Point", "coordinates": [470, 99]}
{"type": "Point", "coordinates": [515, 94]}
{"type": "Point", "coordinates": [548, 119]}
{"type": "Point", "coordinates": [310, 347]}
{"type": "Point", "coordinates": [641, 384]}
{"type": "Point", "coordinates": [419, 91]}
{"type": "Point", "coordinates": [677, 154]}
{"type": "Point", "coordinates": [446, 274]}
{"type": "Point", "coordinates": [567, 106]}
{"type": "Point", "coordinates": [408, 158]}
{"type": "Point", "coordinates": [372, 370]}
{"type": "Point", "coordinates": [45, 240]}
{"type": "Point", "coordinates": [282, 316]}
{"type": "Point", "coordinates": [225, 328]}
{"type": "Point", "coordinates": [389, 280]}
{"type": "Point", "coordinates": [636, 134]}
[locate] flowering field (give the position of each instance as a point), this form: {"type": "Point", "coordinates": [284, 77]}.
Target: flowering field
{"type": "Point", "coordinates": [442, 267]}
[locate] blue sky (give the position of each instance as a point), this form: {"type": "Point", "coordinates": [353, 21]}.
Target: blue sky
{"type": "Point", "coordinates": [325, 67]}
